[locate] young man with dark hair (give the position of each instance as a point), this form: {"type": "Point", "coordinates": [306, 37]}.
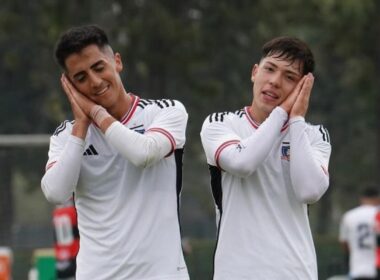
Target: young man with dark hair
{"type": "Point", "coordinates": [267, 164]}
{"type": "Point", "coordinates": [122, 158]}
{"type": "Point", "coordinates": [358, 236]}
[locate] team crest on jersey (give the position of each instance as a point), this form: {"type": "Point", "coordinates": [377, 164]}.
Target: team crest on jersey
{"type": "Point", "coordinates": [285, 151]}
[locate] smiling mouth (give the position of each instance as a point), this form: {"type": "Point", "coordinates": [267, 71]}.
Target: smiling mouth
{"type": "Point", "coordinates": [102, 91]}
{"type": "Point", "coordinates": [269, 94]}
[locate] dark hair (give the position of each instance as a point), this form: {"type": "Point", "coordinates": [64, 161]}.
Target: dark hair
{"type": "Point", "coordinates": [290, 49]}
{"type": "Point", "coordinates": [77, 38]}
{"type": "Point", "coordinates": [370, 192]}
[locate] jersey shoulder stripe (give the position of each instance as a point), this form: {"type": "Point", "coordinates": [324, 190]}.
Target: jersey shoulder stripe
{"type": "Point", "coordinates": [144, 102]}
{"type": "Point", "coordinates": [240, 113]}
{"type": "Point", "coordinates": [62, 127]}
{"type": "Point", "coordinates": [161, 103]}
{"type": "Point", "coordinates": [218, 117]}
{"type": "Point", "coordinates": [325, 133]}
{"type": "Point", "coordinates": [222, 116]}
{"type": "Point", "coordinates": [164, 103]}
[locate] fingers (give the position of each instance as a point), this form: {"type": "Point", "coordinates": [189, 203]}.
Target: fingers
{"type": "Point", "coordinates": [75, 96]}
{"type": "Point", "coordinates": [296, 92]}
{"type": "Point", "coordinates": [67, 88]}
{"type": "Point", "coordinates": [72, 94]}
{"type": "Point", "coordinates": [300, 84]}
{"type": "Point", "coordinates": [305, 92]}
{"type": "Point", "coordinates": [301, 104]}
{"type": "Point", "coordinates": [307, 86]}
{"type": "Point", "coordinates": [288, 103]}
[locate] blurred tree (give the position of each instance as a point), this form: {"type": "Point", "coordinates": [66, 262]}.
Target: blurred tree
{"type": "Point", "coordinates": [202, 52]}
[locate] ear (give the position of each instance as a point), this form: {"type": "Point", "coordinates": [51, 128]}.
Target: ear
{"type": "Point", "coordinates": [118, 62]}
{"type": "Point", "coordinates": [254, 72]}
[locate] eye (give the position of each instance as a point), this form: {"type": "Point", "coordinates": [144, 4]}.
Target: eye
{"type": "Point", "coordinates": [269, 68]}
{"type": "Point", "coordinates": [80, 78]}
{"type": "Point", "coordinates": [291, 78]}
{"type": "Point", "coordinates": [99, 68]}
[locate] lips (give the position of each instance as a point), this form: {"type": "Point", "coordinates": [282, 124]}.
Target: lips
{"type": "Point", "coordinates": [102, 91]}
{"type": "Point", "coordinates": [270, 95]}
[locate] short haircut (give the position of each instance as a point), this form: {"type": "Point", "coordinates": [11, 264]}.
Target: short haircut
{"type": "Point", "coordinates": [75, 39]}
{"type": "Point", "coordinates": [370, 192]}
{"type": "Point", "coordinates": [290, 49]}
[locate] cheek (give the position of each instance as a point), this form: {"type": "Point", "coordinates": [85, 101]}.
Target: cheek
{"type": "Point", "coordinates": [84, 89]}
{"type": "Point", "coordinates": [288, 88]}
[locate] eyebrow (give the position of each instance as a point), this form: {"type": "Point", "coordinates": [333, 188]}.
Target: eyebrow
{"type": "Point", "coordinates": [96, 64]}
{"type": "Point", "coordinates": [287, 71]}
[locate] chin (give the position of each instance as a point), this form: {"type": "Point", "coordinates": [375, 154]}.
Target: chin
{"type": "Point", "coordinates": [269, 108]}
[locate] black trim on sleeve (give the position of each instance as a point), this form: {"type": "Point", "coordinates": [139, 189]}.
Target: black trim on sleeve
{"type": "Point", "coordinates": [178, 156]}
{"type": "Point", "coordinates": [144, 102]}
{"type": "Point", "coordinates": [217, 117]}
{"type": "Point", "coordinates": [62, 127]}
{"type": "Point", "coordinates": [164, 103]}
{"type": "Point", "coordinates": [325, 134]}
{"type": "Point", "coordinates": [240, 113]}
{"type": "Point", "coordinates": [216, 185]}
{"type": "Point", "coordinates": [217, 193]}
{"type": "Point", "coordinates": [161, 103]}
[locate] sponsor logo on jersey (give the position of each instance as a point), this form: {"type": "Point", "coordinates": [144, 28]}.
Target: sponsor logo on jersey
{"type": "Point", "coordinates": [90, 151]}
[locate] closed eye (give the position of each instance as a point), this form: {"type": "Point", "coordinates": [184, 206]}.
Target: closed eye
{"type": "Point", "coordinates": [269, 68]}
{"type": "Point", "coordinates": [99, 68]}
{"type": "Point", "coordinates": [291, 78]}
{"type": "Point", "coordinates": [80, 78]}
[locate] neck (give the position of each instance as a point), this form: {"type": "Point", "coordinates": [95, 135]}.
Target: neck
{"type": "Point", "coordinates": [122, 106]}
{"type": "Point", "coordinates": [257, 115]}
{"type": "Point", "coordinates": [370, 201]}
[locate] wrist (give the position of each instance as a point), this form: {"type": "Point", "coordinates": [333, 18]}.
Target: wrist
{"type": "Point", "coordinates": [285, 107]}
{"type": "Point", "coordinates": [80, 129]}
{"type": "Point", "coordinates": [294, 119]}
{"type": "Point", "coordinates": [98, 114]}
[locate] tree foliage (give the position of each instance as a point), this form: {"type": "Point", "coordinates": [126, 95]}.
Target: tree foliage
{"type": "Point", "coordinates": [202, 52]}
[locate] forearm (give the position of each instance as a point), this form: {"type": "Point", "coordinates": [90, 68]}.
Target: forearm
{"type": "Point", "coordinates": [101, 117]}
{"type": "Point", "coordinates": [80, 129]}
{"type": "Point", "coordinates": [60, 180]}
{"type": "Point", "coordinates": [140, 149]}
{"type": "Point", "coordinates": [308, 175]}
{"type": "Point", "coordinates": [244, 157]}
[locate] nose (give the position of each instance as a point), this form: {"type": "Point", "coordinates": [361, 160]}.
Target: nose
{"type": "Point", "coordinates": [95, 80]}
{"type": "Point", "coordinates": [275, 79]}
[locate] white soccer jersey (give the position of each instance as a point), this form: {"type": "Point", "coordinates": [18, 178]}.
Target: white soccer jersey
{"type": "Point", "coordinates": [260, 178]}
{"type": "Point", "coordinates": [128, 216]}
{"type": "Point", "coordinates": [357, 228]}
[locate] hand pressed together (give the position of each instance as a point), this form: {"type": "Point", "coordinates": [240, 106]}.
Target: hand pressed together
{"type": "Point", "coordinates": [297, 102]}
{"type": "Point", "coordinates": [80, 111]}
{"type": "Point", "coordinates": [76, 98]}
